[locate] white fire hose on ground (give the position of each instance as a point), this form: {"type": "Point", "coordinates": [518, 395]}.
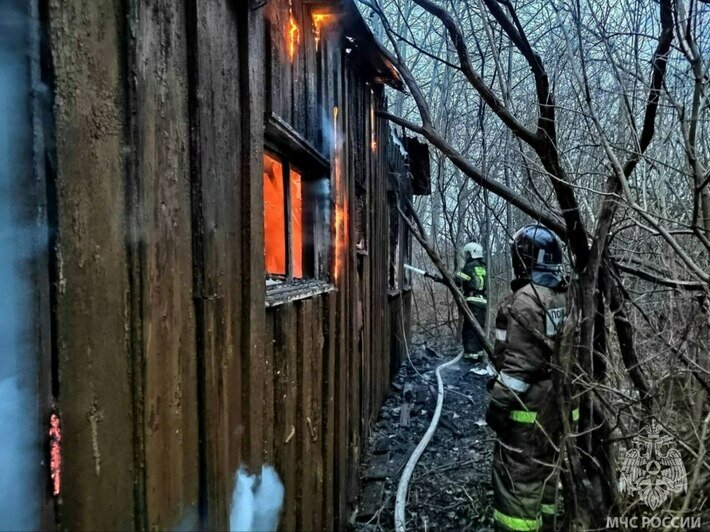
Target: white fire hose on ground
{"type": "Point", "coordinates": [403, 487]}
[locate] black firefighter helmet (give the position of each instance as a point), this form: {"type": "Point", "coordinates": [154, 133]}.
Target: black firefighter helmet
{"type": "Point", "coordinates": [537, 255]}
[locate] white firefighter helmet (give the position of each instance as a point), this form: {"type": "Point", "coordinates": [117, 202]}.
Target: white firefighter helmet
{"type": "Point", "coordinates": [473, 250]}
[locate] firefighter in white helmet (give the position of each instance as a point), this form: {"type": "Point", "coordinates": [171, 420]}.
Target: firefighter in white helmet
{"type": "Point", "coordinates": [471, 278]}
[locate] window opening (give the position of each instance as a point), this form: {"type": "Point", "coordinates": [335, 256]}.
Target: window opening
{"type": "Point", "coordinates": [284, 228]}
{"type": "Point", "coordinates": [296, 223]}
{"type": "Point", "coordinates": [274, 217]}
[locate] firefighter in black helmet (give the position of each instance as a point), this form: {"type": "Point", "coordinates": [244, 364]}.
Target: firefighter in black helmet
{"type": "Point", "coordinates": [521, 411]}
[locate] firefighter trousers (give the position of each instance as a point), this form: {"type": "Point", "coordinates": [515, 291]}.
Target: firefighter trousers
{"type": "Point", "coordinates": [471, 343]}
{"type": "Point", "coordinates": [522, 502]}
{"type": "Point", "coordinates": [525, 476]}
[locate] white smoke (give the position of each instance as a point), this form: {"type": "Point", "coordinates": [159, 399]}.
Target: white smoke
{"type": "Point", "coordinates": [321, 197]}
{"type": "Point", "coordinates": [256, 501]}
{"type": "Point", "coordinates": [18, 494]}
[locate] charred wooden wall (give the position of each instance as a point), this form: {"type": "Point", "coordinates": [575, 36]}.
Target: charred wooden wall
{"type": "Point", "coordinates": [333, 353]}
{"type": "Point", "coordinates": [170, 370]}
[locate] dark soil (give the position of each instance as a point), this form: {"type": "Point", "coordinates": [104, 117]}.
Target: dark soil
{"type": "Point", "coordinates": [450, 488]}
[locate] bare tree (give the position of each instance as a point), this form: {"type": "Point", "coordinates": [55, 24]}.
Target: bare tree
{"type": "Point", "coordinates": [592, 118]}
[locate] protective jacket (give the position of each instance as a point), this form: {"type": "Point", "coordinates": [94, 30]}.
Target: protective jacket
{"type": "Point", "coordinates": [472, 280]}
{"type": "Point", "coordinates": [522, 410]}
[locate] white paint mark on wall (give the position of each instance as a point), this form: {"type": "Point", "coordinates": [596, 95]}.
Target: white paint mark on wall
{"type": "Point", "coordinates": [256, 501]}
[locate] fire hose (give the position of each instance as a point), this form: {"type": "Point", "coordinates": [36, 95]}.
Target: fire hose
{"type": "Point", "coordinates": [425, 273]}
{"type": "Point", "coordinates": [491, 369]}
{"type": "Point", "coordinates": [403, 487]}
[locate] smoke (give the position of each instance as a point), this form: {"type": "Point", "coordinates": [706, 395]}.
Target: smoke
{"type": "Point", "coordinates": [319, 192]}
{"type": "Point", "coordinates": [20, 451]}
{"type": "Point", "coordinates": [256, 501]}
{"type": "Point", "coordinates": [189, 522]}
{"type": "Point", "coordinates": [18, 490]}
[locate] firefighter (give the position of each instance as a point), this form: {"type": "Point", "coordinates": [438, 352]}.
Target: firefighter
{"type": "Point", "coordinates": [471, 278]}
{"type": "Point", "coordinates": [521, 410]}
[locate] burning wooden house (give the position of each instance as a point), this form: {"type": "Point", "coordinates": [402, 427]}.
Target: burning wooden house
{"type": "Point", "coordinates": [223, 281]}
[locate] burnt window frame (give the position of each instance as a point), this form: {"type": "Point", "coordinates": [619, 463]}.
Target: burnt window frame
{"type": "Point", "coordinates": [307, 151]}
{"type": "Point", "coordinates": [294, 152]}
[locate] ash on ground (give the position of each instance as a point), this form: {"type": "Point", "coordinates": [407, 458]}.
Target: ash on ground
{"type": "Point", "coordinates": [450, 488]}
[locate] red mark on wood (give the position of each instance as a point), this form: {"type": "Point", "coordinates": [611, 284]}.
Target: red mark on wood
{"type": "Point", "coordinates": [55, 453]}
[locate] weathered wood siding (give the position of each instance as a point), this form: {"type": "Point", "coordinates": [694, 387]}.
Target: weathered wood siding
{"type": "Point", "coordinates": [172, 372]}
{"type": "Point", "coordinates": [159, 210]}
{"type": "Point", "coordinates": [332, 353]}
{"type": "Point", "coordinates": [92, 303]}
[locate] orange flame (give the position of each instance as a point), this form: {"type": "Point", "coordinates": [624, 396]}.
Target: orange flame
{"type": "Point", "coordinates": [373, 140]}
{"type": "Point", "coordinates": [318, 20]}
{"type": "Point", "coordinates": [341, 206]}
{"type": "Point", "coordinates": [274, 216]}
{"type": "Point", "coordinates": [296, 223]}
{"type": "Point", "coordinates": [294, 34]}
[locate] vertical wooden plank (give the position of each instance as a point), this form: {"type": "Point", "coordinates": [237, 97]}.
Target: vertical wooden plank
{"type": "Point", "coordinates": [316, 413]}
{"type": "Point", "coordinates": [354, 362]}
{"type": "Point", "coordinates": [329, 394]}
{"type": "Point", "coordinates": [269, 407]}
{"type": "Point", "coordinates": [162, 207]}
{"type": "Point", "coordinates": [342, 412]}
{"type": "Point", "coordinates": [226, 67]}
{"type": "Point", "coordinates": [313, 113]}
{"type": "Point", "coordinates": [286, 406]}
{"type": "Point", "coordinates": [380, 212]}
{"type": "Point", "coordinates": [251, 46]}
{"type": "Point", "coordinates": [273, 360]}
{"type": "Point", "coordinates": [336, 83]}
{"type": "Point", "coordinates": [304, 349]}
{"type": "Point", "coordinates": [275, 50]}
{"type": "Point", "coordinates": [282, 67]}
{"type": "Point", "coordinates": [298, 72]}
{"type": "Point", "coordinates": [372, 217]}
{"type": "Point", "coordinates": [92, 307]}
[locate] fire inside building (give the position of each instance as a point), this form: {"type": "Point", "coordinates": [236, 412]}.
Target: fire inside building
{"type": "Point", "coordinates": [212, 272]}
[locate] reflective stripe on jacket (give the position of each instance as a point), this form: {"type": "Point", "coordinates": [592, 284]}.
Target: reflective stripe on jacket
{"type": "Point", "coordinates": [522, 396]}
{"type": "Point", "coordinates": [472, 280]}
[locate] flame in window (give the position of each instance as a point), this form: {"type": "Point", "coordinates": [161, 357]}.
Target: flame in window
{"type": "Point", "coordinates": [274, 217]}
{"type": "Point", "coordinates": [296, 223]}
{"type": "Point", "coordinates": [275, 220]}
{"type": "Point", "coordinates": [293, 34]}
{"type": "Point", "coordinates": [341, 205]}
{"type": "Point", "coordinates": [318, 20]}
